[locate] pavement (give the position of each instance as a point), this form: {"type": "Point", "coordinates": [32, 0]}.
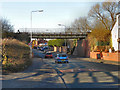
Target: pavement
{"type": "Point", "coordinates": [39, 75]}
{"type": "Point", "coordinates": [96, 60]}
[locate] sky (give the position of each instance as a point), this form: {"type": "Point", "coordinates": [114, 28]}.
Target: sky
{"type": "Point", "coordinates": [54, 13]}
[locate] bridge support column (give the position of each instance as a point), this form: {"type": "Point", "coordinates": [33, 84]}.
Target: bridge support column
{"type": "Point", "coordinates": [60, 49]}
{"type": "Point", "coordinates": [82, 49]}
{"type": "Point", "coordinates": [55, 49]}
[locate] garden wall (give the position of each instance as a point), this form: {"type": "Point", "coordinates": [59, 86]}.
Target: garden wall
{"type": "Point", "coordinates": [94, 54]}
{"type": "Point", "coordinates": [106, 56]}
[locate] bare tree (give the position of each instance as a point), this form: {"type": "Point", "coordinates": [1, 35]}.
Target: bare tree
{"type": "Point", "coordinates": [84, 24]}
{"type": "Point", "coordinates": [112, 9]}
{"type": "Point", "coordinates": [6, 26]}
{"type": "Point", "coordinates": [75, 26]}
{"type": "Point", "coordinates": [96, 11]}
{"type": "Point", "coordinates": [68, 29]}
{"type": "Point", "coordinates": [81, 24]}
{"type": "Point", "coordinates": [105, 12]}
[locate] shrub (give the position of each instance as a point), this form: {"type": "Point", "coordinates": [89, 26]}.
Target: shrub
{"type": "Point", "coordinates": [56, 42]}
{"type": "Point", "coordinates": [18, 53]}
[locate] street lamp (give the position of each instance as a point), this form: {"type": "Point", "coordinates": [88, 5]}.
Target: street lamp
{"type": "Point", "coordinates": [65, 33]}
{"type": "Point", "coordinates": [31, 20]}
{"type": "Point", "coordinates": [31, 27]}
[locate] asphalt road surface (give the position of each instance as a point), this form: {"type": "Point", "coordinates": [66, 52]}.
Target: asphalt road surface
{"type": "Point", "coordinates": [78, 73]}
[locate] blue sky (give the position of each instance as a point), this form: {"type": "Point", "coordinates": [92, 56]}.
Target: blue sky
{"type": "Point", "coordinates": [18, 13]}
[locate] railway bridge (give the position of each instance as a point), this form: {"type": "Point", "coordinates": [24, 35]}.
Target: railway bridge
{"type": "Point", "coordinates": [59, 35]}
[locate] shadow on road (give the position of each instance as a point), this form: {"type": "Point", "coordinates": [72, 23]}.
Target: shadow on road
{"type": "Point", "coordinates": [88, 79]}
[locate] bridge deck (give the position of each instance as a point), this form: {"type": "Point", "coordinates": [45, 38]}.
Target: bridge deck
{"type": "Point", "coordinates": [59, 35]}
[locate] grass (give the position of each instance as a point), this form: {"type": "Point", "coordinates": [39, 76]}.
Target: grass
{"type": "Point", "coordinates": [18, 55]}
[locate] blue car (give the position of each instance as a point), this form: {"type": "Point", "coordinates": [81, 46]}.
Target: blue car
{"type": "Point", "coordinates": [44, 48]}
{"type": "Point", "coordinates": [61, 58]}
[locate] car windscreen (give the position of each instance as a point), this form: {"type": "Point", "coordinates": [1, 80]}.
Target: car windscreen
{"type": "Point", "coordinates": [48, 53]}
{"type": "Point", "coordinates": [63, 55]}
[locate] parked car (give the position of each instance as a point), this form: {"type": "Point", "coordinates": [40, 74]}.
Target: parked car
{"type": "Point", "coordinates": [48, 55]}
{"type": "Point", "coordinates": [42, 49]}
{"type": "Point", "coordinates": [45, 48]}
{"type": "Point", "coordinates": [61, 58]}
{"type": "Point", "coordinates": [35, 47]}
{"type": "Point", "coordinates": [38, 48]}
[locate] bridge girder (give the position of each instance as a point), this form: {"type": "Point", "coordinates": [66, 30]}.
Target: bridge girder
{"type": "Point", "coordinates": [60, 35]}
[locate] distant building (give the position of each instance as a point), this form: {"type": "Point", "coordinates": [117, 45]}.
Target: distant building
{"type": "Point", "coordinates": [116, 34]}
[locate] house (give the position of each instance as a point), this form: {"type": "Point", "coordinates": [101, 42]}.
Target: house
{"type": "Point", "coordinates": [116, 34]}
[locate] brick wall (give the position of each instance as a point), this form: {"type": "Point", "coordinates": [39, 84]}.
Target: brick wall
{"type": "Point", "coordinates": [82, 49]}
{"type": "Point", "coordinates": [107, 56]}
{"type": "Point", "coordinates": [94, 54]}
{"type": "Point", "coordinates": [119, 57]}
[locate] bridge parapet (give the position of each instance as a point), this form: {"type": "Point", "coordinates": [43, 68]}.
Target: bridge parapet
{"type": "Point", "coordinates": [59, 35]}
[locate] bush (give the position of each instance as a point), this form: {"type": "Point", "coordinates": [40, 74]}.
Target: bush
{"type": "Point", "coordinates": [112, 49]}
{"type": "Point", "coordinates": [102, 48]}
{"type": "Point", "coordinates": [18, 53]}
{"type": "Point", "coordinates": [56, 42]}
{"type": "Point", "coordinates": [99, 36]}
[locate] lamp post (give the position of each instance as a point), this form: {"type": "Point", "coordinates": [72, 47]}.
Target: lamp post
{"type": "Point", "coordinates": [65, 33]}
{"type": "Point", "coordinates": [31, 20]}
{"type": "Point", "coordinates": [31, 28]}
